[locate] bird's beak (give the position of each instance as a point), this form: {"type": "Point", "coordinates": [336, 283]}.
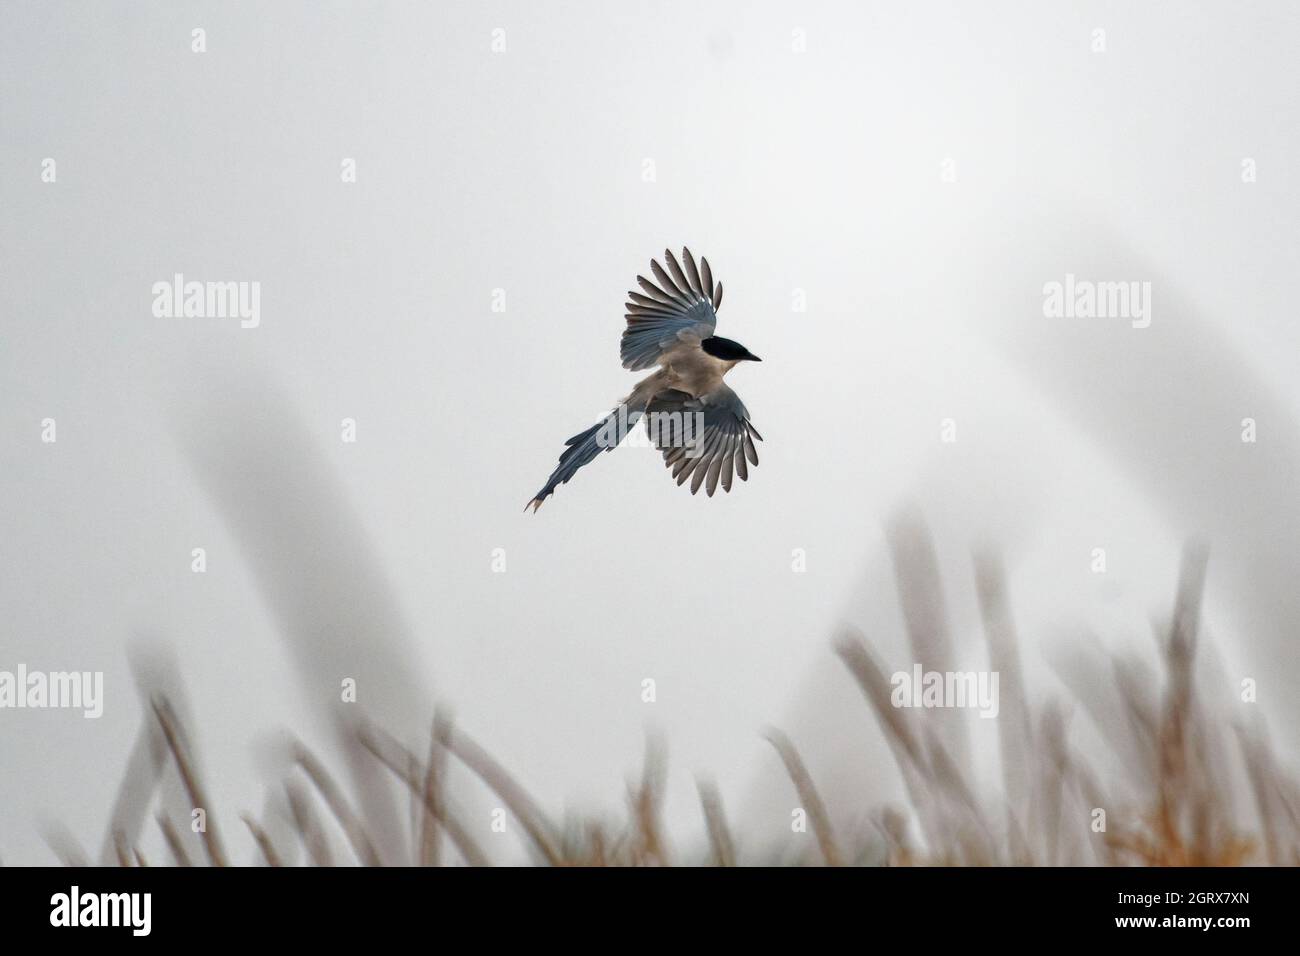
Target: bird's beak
{"type": "Point", "coordinates": [753, 358]}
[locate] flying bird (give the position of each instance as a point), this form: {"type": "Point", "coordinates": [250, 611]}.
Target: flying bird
{"type": "Point", "coordinates": [692, 416]}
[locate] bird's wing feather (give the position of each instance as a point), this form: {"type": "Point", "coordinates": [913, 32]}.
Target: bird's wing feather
{"type": "Point", "coordinates": [707, 439]}
{"type": "Point", "coordinates": [681, 308]}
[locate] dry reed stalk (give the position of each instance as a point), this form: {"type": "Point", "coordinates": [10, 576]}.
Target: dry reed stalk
{"type": "Point", "coordinates": [263, 841]}
{"type": "Point", "coordinates": [852, 649]}
{"type": "Point", "coordinates": [1015, 729]}
{"type": "Point", "coordinates": [925, 617]}
{"type": "Point", "coordinates": [525, 809]}
{"type": "Point", "coordinates": [64, 845]}
{"type": "Point", "coordinates": [812, 801]}
{"type": "Point", "coordinates": [1055, 774]}
{"type": "Point", "coordinates": [432, 797]}
{"type": "Point", "coordinates": [1019, 850]}
{"type": "Point", "coordinates": [140, 778]}
{"type": "Point", "coordinates": [382, 747]}
{"type": "Point", "coordinates": [724, 848]}
{"type": "Point", "coordinates": [198, 798]}
{"type": "Point", "coordinates": [648, 844]}
{"type": "Point", "coordinates": [893, 827]}
{"type": "Point", "coordinates": [1287, 797]}
{"type": "Point", "coordinates": [309, 830]}
{"type": "Point", "coordinates": [1090, 793]}
{"type": "Point", "coordinates": [415, 812]}
{"type": "Point", "coordinates": [971, 831]}
{"type": "Point", "coordinates": [120, 845]}
{"type": "Point", "coordinates": [909, 757]}
{"type": "Point", "coordinates": [173, 840]}
{"type": "Point", "coordinates": [1132, 680]}
{"type": "Point", "coordinates": [1188, 826]}
{"type": "Point", "coordinates": [1174, 778]}
{"type": "Point", "coordinates": [597, 853]}
{"type": "Point", "coordinates": [350, 823]}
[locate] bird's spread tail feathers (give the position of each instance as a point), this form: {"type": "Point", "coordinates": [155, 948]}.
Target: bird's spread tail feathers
{"type": "Point", "coordinates": [583, 447]}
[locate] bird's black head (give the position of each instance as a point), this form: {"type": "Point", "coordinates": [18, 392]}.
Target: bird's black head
{"type": "Point", "coordinates": [727, 350]}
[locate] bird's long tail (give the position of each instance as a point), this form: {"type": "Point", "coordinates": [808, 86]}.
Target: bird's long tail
{"type": "Point", "coordinates": [583, 447]}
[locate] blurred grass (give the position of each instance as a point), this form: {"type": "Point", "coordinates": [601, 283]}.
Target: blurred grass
{"type": "Point", "coordinates": [1040, 817]}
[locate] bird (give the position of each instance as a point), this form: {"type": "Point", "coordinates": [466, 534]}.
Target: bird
{"type": "Point", "coordinates": [692, 416]}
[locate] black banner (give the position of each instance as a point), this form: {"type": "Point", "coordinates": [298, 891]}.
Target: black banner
{"type": "Point", "coordinates": [359, 905]}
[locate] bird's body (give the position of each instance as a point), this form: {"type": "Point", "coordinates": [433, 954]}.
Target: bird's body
{"type": "Point", "coordinates": [687, 368]}
{"type": "Point", "coordinates": [692, 415]}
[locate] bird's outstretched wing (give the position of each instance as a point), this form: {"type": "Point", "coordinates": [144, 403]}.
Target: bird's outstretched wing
{"type": "Point", "coordinates": [682, 308]}
{"type": "Point", "coordinates": [704, 439]}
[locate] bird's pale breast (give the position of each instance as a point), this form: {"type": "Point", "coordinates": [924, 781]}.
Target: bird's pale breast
{"type": "Point", "coordinates": [695, 372]}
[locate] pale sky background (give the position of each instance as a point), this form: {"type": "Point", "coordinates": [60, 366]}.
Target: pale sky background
{"type": "Point", "coordinates": [523, 170]}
